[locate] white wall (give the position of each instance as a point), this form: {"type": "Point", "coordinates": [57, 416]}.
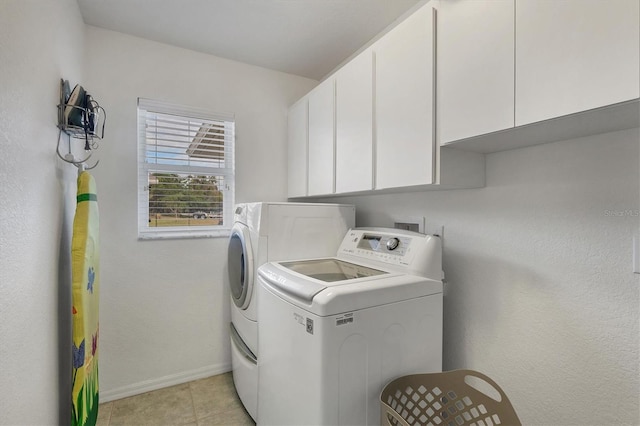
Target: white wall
{"type": "Point", "coordinates": [540, 294]}
{"type": "Point", "coordinates": [40, 42]}
{"type": "Point", "coordinates": [164, 304]}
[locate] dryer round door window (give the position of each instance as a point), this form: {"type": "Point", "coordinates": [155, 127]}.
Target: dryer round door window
{"type": "Point", "coordinates": [240, 266]}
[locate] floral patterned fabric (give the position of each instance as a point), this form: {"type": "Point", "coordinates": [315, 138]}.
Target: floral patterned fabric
{"type": "Point", "coordinates": [85, 295]}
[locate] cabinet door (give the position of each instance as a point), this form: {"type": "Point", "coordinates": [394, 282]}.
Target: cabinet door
{"type": "Point", "coordinates": [354, 125]}
{"type": "Point", "coordinates": [297, 149]}
{"type": "Point", "coordinates": [475, 60]}
{"type": "Point", "coordinates": [575, 55]}
{"type": "Point", "coordinates": [404, 103]}
{"type": "Point", "coordinates": [321, 139]}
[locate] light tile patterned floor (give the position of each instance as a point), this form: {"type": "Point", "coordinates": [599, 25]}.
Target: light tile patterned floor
{"type": "Point", "coordinates": [206, 402]}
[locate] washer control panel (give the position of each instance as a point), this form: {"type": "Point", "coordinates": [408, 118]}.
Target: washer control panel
{"type": "Point", "coordinates": [394, 250]}
{"type": "Point", "coordinates": [387, 247]}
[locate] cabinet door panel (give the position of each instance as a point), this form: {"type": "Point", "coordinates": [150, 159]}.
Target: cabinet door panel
{"type": "Point", "coordinates": [354, 125]}
{"type": "Point", "coordinates": [404, 103]}
{"type": "Point", "coordinates": [575, 55]}
{"type": "Point", "coordinates": [321, 139]}
{"type": "Point", "coordinates": [297, 149]}
{"type": "Point", "coordinates": [475, 61]}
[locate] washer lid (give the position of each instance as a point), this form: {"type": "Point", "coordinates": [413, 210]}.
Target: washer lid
{"type": "Point", "coordinates": [330, 270]}
{"type": "Point", "coordinates": [325, 272]}
{"type": "Point", "coordinates": [329, 297]}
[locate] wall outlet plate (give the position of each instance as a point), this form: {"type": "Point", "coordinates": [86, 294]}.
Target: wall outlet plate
{"type": "Point", "coordinates": [409, 223]}
{"type": "Point", "coordinates": [636, 253]}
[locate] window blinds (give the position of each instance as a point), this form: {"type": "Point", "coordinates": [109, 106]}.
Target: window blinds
{"type": "Point", "coordinates": [186, 171]}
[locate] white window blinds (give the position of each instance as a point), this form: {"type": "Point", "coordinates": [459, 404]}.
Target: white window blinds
{"type": "Point", "coordinates": [185, 171]}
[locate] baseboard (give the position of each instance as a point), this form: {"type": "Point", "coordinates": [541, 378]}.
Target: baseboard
{"type": "Point", "coordinates": [163, 382]}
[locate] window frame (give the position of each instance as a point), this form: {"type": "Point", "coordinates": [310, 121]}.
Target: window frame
{"type": "Point", "coordinates": [146, 232]}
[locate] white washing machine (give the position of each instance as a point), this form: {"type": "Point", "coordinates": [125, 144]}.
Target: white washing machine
{"type": "Point", "coordinates": [334, 331]}
{"type": "Point", "coordinates": [264, 232]}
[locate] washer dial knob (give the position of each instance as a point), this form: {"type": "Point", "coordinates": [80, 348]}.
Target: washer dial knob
{"type": "Point", "coordinates": [393, 243]}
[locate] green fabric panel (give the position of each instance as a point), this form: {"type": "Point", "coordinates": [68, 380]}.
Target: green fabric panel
{"type": "Point", "coordinates": [87, 197]}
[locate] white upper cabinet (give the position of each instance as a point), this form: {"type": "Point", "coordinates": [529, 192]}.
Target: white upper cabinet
{"type": "Point", "coordinates": [321, 138]}
{"type": "Point", "coordinates": [297, 149]}
{"type": "Point", "coordinates": [404, 110]}
{"type": "Point", "coordinates": [354, 125]}
{"type": "Point", "coordinates": [495, 74]}
{"type": "Point", "coordinates": [575, 55]}
{"type": "Point", "coordinates": [475, 60]}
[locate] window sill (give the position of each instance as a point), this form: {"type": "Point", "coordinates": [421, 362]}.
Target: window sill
{"type": "Point", "coordinates": [173, 235]}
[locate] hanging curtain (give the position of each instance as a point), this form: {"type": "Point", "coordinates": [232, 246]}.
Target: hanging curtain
{"type": "Point", "coordinates": [85, 296]}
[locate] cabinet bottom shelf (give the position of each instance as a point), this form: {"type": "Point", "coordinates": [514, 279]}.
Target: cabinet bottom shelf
{"type": "Point", "coordinates": [457, 169]}
{"type": "Point", "coordinates": [621, 116]}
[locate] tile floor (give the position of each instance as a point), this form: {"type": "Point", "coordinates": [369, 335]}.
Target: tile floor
{"type": "Point", "coordinates": [210, 401]}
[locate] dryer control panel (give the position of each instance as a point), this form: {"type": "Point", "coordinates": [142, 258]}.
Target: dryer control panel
{"type": "Point", "coordinates": [395, 249]}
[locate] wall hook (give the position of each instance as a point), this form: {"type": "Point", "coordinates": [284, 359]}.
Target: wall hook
{"type": "Point", "coordinates": [70, 158]}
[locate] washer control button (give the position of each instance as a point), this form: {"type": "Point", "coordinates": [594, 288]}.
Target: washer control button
{"type": "Point", "coordinates": [393, 243]}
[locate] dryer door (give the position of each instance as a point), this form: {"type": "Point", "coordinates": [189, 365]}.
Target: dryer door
{"type": "Point", "coordinates": [240, 265]}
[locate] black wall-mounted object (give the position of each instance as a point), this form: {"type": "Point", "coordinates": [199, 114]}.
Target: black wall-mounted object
{"type": "Point", "coordinates": [80, 115]}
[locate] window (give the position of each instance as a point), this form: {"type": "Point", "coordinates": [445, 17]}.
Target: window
{"type": "Point", "coordinates": [185, 171]}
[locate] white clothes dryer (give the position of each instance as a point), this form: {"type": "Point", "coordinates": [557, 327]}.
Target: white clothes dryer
{"type": "Point", "coordinates": [334, 331]}
{"type": "Point", "coordinates": [264, 232]}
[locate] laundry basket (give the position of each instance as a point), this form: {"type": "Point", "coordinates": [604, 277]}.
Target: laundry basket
{"type": "Point", "coordinates": [451, 398]}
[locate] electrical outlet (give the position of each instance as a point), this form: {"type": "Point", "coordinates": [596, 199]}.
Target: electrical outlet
{"type": "Point", "coordinates": [415, 223]}
{"type": "Point", "coordinates": [407, 226]}
{"type": "Point", "coordinates": [636, 254]}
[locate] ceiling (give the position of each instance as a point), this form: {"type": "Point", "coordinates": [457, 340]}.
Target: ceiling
{"type": "Point", "coordinates": [309, 38]}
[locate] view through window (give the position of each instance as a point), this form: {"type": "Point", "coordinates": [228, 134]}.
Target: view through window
{"type": "Point", "coordinates": [185, 171]}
